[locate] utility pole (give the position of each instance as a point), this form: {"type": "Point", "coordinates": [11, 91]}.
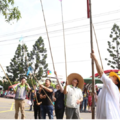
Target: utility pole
{"type": "Point", "coordinates": [92, 62]}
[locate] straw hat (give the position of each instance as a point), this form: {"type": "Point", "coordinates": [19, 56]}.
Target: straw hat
{"type": "Point", "coordinates": [77, 76]}
{"type": "Point", "coordinates": [114, 74]}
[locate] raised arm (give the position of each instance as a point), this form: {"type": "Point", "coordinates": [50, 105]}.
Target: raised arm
{"type": "Point", "coordinates": [28, 87]}
{"type": "Point", "coordinates": [65, 89]}
{"type": "Point", "coordinates": [61, 88]}
{"type": "Point", "coordinates": [99, 69]}
{"type": "Point", "coordinates": [46, 88]}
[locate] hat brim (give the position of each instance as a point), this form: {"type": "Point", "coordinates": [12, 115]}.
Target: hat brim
{"type": "Point", "coordinates": [114, 74]}
{"type": "Point", "coordinates": [72, 76]}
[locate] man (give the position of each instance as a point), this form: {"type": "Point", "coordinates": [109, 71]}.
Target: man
{"type": "Point", "coordinates": [31, 96]}
{"type": "Point", "coordinates": [47, 106]}
{"type": "Point", "coordinates": [20, 95]}
{"type": "Point", "coordinates": [108, 102]}
{"type": "Point", "coordinates": [74, 96]}
{"type": "Point", "coordinates": [59, 100]}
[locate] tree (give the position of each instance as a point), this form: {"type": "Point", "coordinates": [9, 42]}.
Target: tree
{"type": "Point", "coordinates": [114, 47]}
{"type": "Point", "coordinates": [18, 65]}
{"type": "Point", "coordinates": [37, 59]}
{"type": "Point", "coordinates": [8, 11]}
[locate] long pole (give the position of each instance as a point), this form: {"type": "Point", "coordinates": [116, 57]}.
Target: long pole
{"type": "Point", "coordinates": [93, 78]}
{"type": "Point", "coordinates": [98, 47]}
{"type": "Point", "coordinates": [6, 75]}
{"type": "Point", "coordinates": [47, 35]}
{"type": "Point", "coordinates": [64, 40]}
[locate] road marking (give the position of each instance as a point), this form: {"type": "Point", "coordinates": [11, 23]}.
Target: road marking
{"type": "Point", "coordinates": [11, 107]}
{"type": "Point", "coordinates": [4, 111]}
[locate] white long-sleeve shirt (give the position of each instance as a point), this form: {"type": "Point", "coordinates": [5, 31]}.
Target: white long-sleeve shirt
{"type": "Point", "coordinates": [108, 104]}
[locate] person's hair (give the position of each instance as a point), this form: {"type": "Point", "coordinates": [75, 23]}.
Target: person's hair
{"type": "Point", "coordinates": [85, 90]}
{"type": "Point", "coordinates": [118, 85]}
{"type": "Point", "coordinates": [22, 78]}
{"type": "Point", "coordinates": [49, 80]}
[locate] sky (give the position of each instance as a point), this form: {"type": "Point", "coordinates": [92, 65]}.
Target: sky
{"type": "Point", "coordinates": [77, 32]}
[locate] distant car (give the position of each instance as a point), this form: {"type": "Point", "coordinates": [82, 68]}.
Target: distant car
{"type": "Point", "coordinates": [10, 95]}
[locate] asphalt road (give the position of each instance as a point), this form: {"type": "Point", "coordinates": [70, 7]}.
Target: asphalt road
{"type": "Point", "coordinates": [7, 110]}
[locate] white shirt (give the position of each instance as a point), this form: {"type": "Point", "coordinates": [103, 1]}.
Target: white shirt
{"type": "Point", "coordinates": [73, 94]}
{"type": "Point", "coordinates": [108, 104]}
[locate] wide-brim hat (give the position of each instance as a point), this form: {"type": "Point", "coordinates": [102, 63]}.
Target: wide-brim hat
{"type": "Point", "coordinates": [72, 76]}
{"type": "Point", "coordinates": [114, 74]}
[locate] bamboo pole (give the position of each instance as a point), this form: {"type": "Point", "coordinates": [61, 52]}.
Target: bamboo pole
{"type": "Point", "coordinates": [47, 35]}
{"type": "Point", "coordinates": [33, 88]}
{"type": "Point", "coordinates": [92, 62]}
{"type": "Point", "coordinates": [6, 75]}
{"type": "Point", "coordinates": [64, 39]}
{"type": "Point", "coordinates": [97, 46]}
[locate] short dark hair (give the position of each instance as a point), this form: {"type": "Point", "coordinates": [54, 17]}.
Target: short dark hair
{"type": "Point", "coordinates": [49, 80]}
{"type": "Point", "coordinates": [22, 78]}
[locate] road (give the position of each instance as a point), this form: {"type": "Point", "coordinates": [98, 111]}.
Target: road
{"type": "Point", "coordinates": [7, 110]}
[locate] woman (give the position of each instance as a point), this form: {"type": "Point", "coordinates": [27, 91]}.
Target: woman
{"type": "Point", "coordinates": [37, 103]}
{"type": "Point", "coordinates": [59, 100]}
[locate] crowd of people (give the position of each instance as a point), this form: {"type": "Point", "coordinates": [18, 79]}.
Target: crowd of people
{"type": "Point", "coordinates": [86, 104]}
{"type": "Point", "coordinates": [4, 93]}
{"type": "Point", "coordinates": [46, 99]}
{"type": "Point", "coordinates": [70, 99]}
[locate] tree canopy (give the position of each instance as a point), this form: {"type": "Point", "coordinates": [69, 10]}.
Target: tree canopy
{"type": "Point", "coordinates": [114, 47]}
{"type": "Point", "coordinates": [9, 11]}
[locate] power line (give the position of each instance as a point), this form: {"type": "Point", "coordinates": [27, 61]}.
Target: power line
{"type": "Point", "coordinates": [87, 60]}
{"type": "Point", "coordinates": [68, 29]}
{"type": "Point", "coordinates": [55, 36]}
{"type": "Point", "coordinates": [62, 46]}
{"type": "Point", "coordinates": [66, 22]}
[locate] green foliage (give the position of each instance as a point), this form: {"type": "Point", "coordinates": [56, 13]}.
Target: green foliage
{"type": "Point", "coordinates": [114, 47]}
{"type": "Point", "coordinates": [53, 85]}
{"type": "Point", "coordinates": [37, 59]}
{"type": "Point", "coordinates": [6, 84]}
{"type": "Point", "coordinates": [31, 83]}
{"type": "Point", "coordinates": [9, 11]}
{"type": "Point", "coordinates": [23, 59]}
{"type": "Point", "coordinates": [18, 65]}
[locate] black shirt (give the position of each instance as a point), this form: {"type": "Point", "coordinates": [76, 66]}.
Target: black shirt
{"type": "Point", "coordinates": [46, 101]}
{"type": "Point", "coordinates": [59, 103]}
{"type": "Point", "coordinates": [38, 98]}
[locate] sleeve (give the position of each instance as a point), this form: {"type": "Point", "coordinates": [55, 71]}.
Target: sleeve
{"type": "Point", "coordinates": [109, 84]}
{"type": "Point", "coordinates": [52, 89]}
{"type": "Point", "coordinates": [106, 81]}
{"type": "Point", "coordinates": [67, 88]}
